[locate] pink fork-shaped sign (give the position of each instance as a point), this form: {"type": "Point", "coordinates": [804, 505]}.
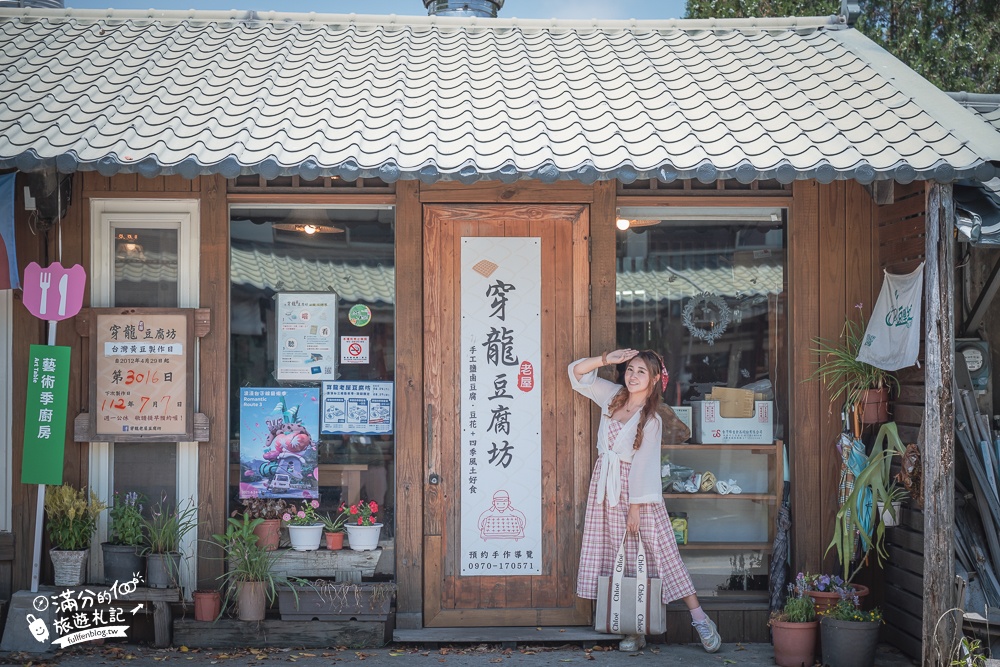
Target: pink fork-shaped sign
{"type": "Point", "coordinates": [53, 293]}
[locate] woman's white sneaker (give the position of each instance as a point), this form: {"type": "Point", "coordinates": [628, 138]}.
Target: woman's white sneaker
{"type": "Point", "coordinates": [631, 643]}
{"type": "Point", "coordinates": [709, 634]}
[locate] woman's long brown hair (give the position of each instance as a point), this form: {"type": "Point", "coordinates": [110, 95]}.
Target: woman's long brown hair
{"type": "Point", "coordinates": [654, 364]}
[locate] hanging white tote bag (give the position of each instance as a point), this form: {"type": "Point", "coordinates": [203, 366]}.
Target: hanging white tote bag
{"type": "Point", "coordinates": [892, 339]}
{"type": "Point", "coordinates": [630, 605]}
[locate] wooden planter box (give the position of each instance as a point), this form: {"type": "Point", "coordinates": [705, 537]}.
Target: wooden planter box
{"type": "Point", "coordinates": [347, 601]}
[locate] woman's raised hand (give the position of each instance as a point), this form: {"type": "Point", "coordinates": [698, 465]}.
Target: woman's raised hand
{"type": "Point", "coordinates": [621, 356]}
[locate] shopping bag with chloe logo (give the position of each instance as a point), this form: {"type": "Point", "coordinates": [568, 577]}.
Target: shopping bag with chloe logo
{"type": "Point", "coordinates": [630, 605]}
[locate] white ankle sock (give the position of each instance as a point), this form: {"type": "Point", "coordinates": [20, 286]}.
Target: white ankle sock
{"type": "Point", "coordinates": [697, 615]}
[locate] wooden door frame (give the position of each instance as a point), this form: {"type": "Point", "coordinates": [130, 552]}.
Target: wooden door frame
{"type": "Point", "coordinates": [410, 453]}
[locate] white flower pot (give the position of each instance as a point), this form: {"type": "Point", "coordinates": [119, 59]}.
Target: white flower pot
{"type": "Point", "coordinates": [363, 538]}
{"type": "Point", "coordinates": [305, 538]}
{"type": "Point", "coordinates": [887, 517]}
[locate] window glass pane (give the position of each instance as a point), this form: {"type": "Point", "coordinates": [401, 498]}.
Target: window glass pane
{"type": "Point", "coordinates": [147, 467]}
{"type": "Point", "coordinates": [145, 267]}
{"type": "Point", "coordinates": [346, 252]}
{"type": "Point", "coordinates": [145, 276]}
{"type": "Point", "coordinates": [706, 288]}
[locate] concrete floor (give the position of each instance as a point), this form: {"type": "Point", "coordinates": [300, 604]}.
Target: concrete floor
{"type": "Point", "coordinates": [417, 656]}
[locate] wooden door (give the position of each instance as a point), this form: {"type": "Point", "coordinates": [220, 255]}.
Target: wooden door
{"type": "Point", "coordinates": [549, 598]}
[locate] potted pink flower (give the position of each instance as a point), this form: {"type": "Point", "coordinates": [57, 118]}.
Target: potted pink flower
{"type": "Point", "coordinates": [305, 527]}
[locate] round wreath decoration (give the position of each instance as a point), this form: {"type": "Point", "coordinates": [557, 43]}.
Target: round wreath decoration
{"type": "Point", "coordinates": [707, 301]}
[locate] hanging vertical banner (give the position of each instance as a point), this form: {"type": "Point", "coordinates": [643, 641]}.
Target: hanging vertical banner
{"type": "Point", "coordinates": [501, 510]}
{"type": "Point", "coordinates": [279, 432]}
{"type": "Point", "coordinates": [45, 415]}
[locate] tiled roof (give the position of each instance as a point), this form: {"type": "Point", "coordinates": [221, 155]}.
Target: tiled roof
{"type": "Point", "coordinates": [233, 93]}
{"type": "Point", "coordinates": [655, 285]}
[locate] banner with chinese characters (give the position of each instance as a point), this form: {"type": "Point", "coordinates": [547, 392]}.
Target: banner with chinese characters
{"type": "Point", "coordinates": [45, 415]}
{"type": "Point", "coordinates": [143, 386]}
{"type": "Point", "coordinates": [501, 510]}
{"type": "Point", "coordinates": [357, 407]}
{"type": "Point", "coordinates": [279, 433]}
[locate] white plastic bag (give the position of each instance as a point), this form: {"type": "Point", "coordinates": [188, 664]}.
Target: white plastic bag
{"type": "Point", "coordinates": [892, 339]}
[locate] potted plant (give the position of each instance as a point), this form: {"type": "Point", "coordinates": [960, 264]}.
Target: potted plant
{"type": "Point", "coordinates": [305, 529]}
{"type": "Point", "coordinates": [864, 388]}
{"type": "Point", "coordinates": [333, 528]}
{"type": "Point", "coordinates": [362, 526]}
{"type": "Point", "coordinates": [207, 604]}
{"type": "Point", "coordinates": [794, 629]}
{"type": "Point", "coordinates": [72, 520]}
{"type": "Point", "coordinates": [871, 487]}
{"type": "Point", "coordinates": [849, 635]}
{"type": "Point", "coordinates": [123, 552]}
{"type": "Point", "coordinates": [165, 527]}
{"type": "Point", "coordinates": [888, 510]}
{"type": "Point", "coordinates": [248, 578]}
{"type": "Point", "coordinates": [826, 590]}
{"type": "Point", "coordinates": [270, 510]}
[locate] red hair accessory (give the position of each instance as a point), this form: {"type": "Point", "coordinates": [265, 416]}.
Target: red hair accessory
{"type": "Point", "coordinates": [664, 377]}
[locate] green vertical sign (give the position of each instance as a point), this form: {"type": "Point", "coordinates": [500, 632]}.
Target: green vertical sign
{"type": "Point", "coordinates": [45, 415]}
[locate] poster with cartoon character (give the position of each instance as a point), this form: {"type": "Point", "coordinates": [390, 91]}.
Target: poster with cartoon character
{"type": "Point", "coordinates": [279, 429]}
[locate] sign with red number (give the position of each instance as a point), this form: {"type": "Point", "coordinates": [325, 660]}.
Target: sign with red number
{"type": "Point", "coordinates": [143, 361]}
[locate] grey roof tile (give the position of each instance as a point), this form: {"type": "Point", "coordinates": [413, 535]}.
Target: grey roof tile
{"type": "Point", "coordinates": [417, 97]}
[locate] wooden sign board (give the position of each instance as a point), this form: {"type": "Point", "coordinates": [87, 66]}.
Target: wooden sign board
{"type": "Point", "coordinates": [142, 374]}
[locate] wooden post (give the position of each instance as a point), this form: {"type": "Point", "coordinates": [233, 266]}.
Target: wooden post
{"type": "Point", "coordinates": [939, 421]}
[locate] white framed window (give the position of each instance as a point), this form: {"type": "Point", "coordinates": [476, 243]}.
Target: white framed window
{"type": "Point", "coordinates": [146, 253]}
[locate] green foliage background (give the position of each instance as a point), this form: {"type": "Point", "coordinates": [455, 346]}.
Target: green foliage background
{"type": "Point", "coordinates": [955, 44]}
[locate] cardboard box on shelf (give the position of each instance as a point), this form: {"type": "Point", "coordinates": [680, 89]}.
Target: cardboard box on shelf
{"type": "Point", "coordinates": [710, 427]}
{"type": "Point", "coordinates": [733, 403]}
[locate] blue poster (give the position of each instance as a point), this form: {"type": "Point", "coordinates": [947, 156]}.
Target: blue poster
{"type": "Point", "coordinates": [279, 434]}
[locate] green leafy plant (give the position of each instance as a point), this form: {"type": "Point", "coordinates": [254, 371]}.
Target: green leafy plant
{"type": "Point", "coordinates": [302, 515]}
{"type": "Point", "coordinates": [167, 525]}
{"type": "Point", "coordinates": [126, 519]}
{"type": "Point", "coordinates": [799, 608]}
{"type": "Point", "coordinates": [969, 653]}
{"type": "Point", "coordinates": [839, 369]}
{"type": "Point", "coordinates": [871, 487]}
{"type": "Point", "coordinates": [72, 517]}
{"type": "Point", "coordinates": [247, 562]}
{"type": "Point", "coordinates": [848, 609]}
{"type": "Point", "coordinates": [335, 524]}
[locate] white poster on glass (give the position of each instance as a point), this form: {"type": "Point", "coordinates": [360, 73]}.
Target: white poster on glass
{"type": "Point", "coordinates": [501, 455]}
{"type": "Point", "coordinates": [307, 336]}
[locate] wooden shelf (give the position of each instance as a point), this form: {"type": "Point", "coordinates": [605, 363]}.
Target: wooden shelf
{"type": "Point", "coordinates": [769, 448]}
{"type": "Point", "coordinates": [726, 546]}
{"type": "Point", "coordinates": [719, 496]}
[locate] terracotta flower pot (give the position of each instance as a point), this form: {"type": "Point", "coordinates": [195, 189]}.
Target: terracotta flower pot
{"type": "Point", "coordinates": [334, 541]}
{"type": "Point", "coordinates": [827, 599]}
{"type": "Point", "coordinates": [873, 406]}
{"type": "Point", "coordinates": [794, 643]}
{"type": "Point", "coordinates": [207, 605]}
{"type": "Point", "coordinates": [268, 534]}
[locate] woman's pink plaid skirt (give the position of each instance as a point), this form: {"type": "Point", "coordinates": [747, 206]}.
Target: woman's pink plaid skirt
{"type": "Point", "coordinates": [603, 529]}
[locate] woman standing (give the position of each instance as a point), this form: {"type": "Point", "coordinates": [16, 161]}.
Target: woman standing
{"type": "Point", "coordinates": [625, 491]}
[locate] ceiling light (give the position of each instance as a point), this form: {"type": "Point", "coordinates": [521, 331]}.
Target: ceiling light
{"type": "Point", "coordinates": [622, 224]}
{"type": "Point", "coordinates": [307, 228]}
